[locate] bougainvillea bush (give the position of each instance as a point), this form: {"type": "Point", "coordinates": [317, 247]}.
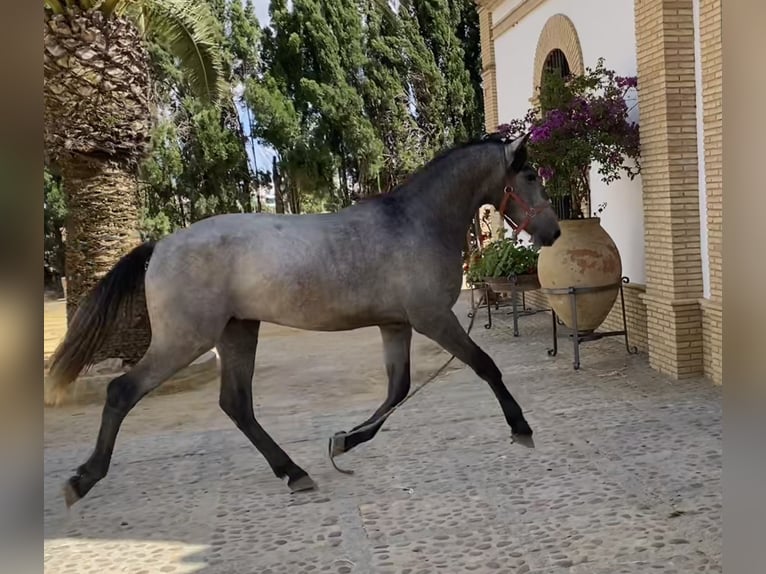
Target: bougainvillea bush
{"type": "Point", "coordinates": [579, 120]}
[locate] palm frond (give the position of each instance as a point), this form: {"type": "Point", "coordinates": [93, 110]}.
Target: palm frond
{"type": "Point", "coordinates": [189, 31]}
{"type": "Point", "coordinates": [109, 7]}
{"type": "Point", "coordinates": [54, 5]}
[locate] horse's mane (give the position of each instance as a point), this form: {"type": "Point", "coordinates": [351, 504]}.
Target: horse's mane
{"type": "Point", "coordinates": [440, 156]}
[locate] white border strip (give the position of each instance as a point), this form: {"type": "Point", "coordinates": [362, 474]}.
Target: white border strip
{"type": "Point", "coordinates": [704, 251]}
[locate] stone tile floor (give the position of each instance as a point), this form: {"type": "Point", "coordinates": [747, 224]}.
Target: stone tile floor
{"type": "Point", "coordinates": [625, 478]}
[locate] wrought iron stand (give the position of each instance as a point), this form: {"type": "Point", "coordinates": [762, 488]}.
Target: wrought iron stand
{"type": "Point", "coordinates": [484, 301]}
{"type": "Point", "coordinates": [583, 337]}
{"type": "Point", "coordinates": [515, 311]}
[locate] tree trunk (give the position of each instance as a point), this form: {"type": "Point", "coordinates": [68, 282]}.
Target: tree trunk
{"type": "Point", "coordinates": [278, 200]}
{"type": "Point", "coordinates": [102, 226]}
{"type": "Point", "coordinates": [294, 197]}
{"type": "Point", "coordinates": [256, 179]}
{"type": "Point", "coordinates": [345, 195]}
{"type": "Point", "coordinates": [258, 206]}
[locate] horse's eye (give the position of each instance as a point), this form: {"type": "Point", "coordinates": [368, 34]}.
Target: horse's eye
{"type": "Point", "coordinates": [531, 177]}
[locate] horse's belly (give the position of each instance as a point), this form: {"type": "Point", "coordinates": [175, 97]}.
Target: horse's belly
{"type": "Point", "coordinates": [317, 309]}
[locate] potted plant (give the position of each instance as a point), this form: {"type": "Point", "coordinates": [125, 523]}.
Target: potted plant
{"type": "Point", "coordinates": [578, 121]}
{"type": "Point", "coordinates": [504, 264]}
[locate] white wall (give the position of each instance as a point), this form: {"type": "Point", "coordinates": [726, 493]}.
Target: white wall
{"type": "Point", "coordinates": [503, 9]}
{"type": "Point", "coordinates": [606, 29]}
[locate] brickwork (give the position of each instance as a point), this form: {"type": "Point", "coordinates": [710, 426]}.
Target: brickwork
{"type": "Point", "coordinates": [536, 300]}
{"type": "Point", "coordinates": [712, 327]}
{"type": "Point", "coordinates": [558, 33]}
{"type": "Point", "coordinates": [488, 69]}
{"type": "Point", "coordinates": [711, 58]}
{"type": "Point", "coordinates": [635, 315]}
{"type": "Point", "coordinates": [667, 103]}
{"type": "Point", "coordinates": [489, 79]}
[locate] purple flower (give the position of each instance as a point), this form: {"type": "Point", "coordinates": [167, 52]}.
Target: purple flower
{"type": "Point", "coordinates": [555, 119]}
{"type": "Point", "coordinates": [626, 81]}
{"type": "Point", "coordinates": [540, 133]}
{"type": "Point", "coordinates": [589, 123]}
{"type": "Point", "coordinates": [546, 173]}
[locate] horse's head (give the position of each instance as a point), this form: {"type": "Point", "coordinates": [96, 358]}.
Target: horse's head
{"type": "Point", "coordinates": [523, 198]}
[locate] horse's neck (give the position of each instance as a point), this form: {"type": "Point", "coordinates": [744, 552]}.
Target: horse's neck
{"type": "Point", "coordinates": [449, 200]}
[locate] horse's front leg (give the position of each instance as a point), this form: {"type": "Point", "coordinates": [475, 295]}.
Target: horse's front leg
{"type": "Point", "coordinates": [444, 328]}
{"type": "Point", "coordinates": [397, 340]}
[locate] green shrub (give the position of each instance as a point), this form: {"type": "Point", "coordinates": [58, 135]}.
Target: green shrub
{"type": "Point", "coordinates": [503, 258]}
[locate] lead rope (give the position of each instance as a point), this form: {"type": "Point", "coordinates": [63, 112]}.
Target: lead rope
{"type": "Point", "coordinates": [390, 411]}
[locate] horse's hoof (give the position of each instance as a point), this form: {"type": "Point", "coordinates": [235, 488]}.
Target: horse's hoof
{"type": "Point", "coordinates": [71, 494]}
{"type": "Point", "coordinates": [337, 443]}
{"type": "Point", "coordinates": [523, 439]}
{"type": "Point", "coordinates": [301, 484]}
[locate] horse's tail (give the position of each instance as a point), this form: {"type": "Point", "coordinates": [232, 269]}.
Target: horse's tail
{"type": "Point", "coordinates": [96, 316]}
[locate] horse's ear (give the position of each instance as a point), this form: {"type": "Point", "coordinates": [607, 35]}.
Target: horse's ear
{"type": "Point", "coordinates": [517, 151]}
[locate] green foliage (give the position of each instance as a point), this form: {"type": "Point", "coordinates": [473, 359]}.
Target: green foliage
{"type": "Point", "coordinates": [54, 216]}
{"type": "Point", "coordinates": [425, 79]}
{"type": "Point", "coordinates": [197, 168]}
{"type": "Point", "coordinates": [439, 22]}
{"type": "Point", "coordinates": [284, 117]}
{"type": "Point", "coordinates": [503, 258]}
{"type": "Point", "coordinates": [354, 96]}
{"type": "Point", "coordinates": [386, 97]}
{"type": "Point", "coordinates": [198, 165]}
{"type": "Point", "coordinates": [469, 38]}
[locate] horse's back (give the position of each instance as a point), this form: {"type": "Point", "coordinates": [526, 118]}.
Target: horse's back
{"type": "Point", "coordinates": [324, 272]}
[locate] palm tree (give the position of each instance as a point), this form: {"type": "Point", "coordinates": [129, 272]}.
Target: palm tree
{"type": "Point", "coordinates": [98, 115]}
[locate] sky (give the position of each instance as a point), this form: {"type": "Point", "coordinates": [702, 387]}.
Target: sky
{"type": "Point", "coordinates": [262, 11]}
{"type": "Point", "coordinates": [263, 154]}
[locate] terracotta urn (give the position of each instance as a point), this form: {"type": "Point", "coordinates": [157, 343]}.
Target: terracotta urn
{"type": "Point", "coordinates": [584, 256]}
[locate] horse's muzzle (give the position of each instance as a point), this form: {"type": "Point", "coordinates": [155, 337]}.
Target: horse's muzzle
{"type": "Point", "coordinates": [547, 239]}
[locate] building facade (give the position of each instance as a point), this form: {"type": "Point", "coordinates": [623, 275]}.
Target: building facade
{"type": "Point", "coordinates": [667, 223]}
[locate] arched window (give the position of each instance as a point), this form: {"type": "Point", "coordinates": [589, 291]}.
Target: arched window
{"type": "Point", "coordinates": [555, 69]}
{"type": "Point", "coordinates": [556, 61]}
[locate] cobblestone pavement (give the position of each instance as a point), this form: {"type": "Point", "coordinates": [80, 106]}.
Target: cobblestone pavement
{"type": "Point", "coordinates": [626, 476]}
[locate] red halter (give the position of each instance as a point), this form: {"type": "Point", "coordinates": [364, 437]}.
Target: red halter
{"type": "Point", "coordinates": [530, 212]}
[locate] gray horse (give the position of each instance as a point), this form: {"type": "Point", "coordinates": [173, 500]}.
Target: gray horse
{"type": "Point", "coordinates": [393, 261]}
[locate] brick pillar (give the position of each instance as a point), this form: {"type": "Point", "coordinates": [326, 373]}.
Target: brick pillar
{"type": "Point", "coordinates": [712, 113]}
{"type": "Point", "coordinates": [488, 68]}
{"type": "Point", "coordinates": [489, 80]}
{"type": "Point", "coordinates": [666, 82]}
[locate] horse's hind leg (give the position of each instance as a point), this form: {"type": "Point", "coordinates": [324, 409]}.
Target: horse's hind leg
{"type": "Point", "coordinates": [445, 329]}
{"type": "Point", "coordinates": [237, 348]}
{"type": "Point", "coordinates": [397, 340]}
{"type": "Point", "coordinates": [160, 362]}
